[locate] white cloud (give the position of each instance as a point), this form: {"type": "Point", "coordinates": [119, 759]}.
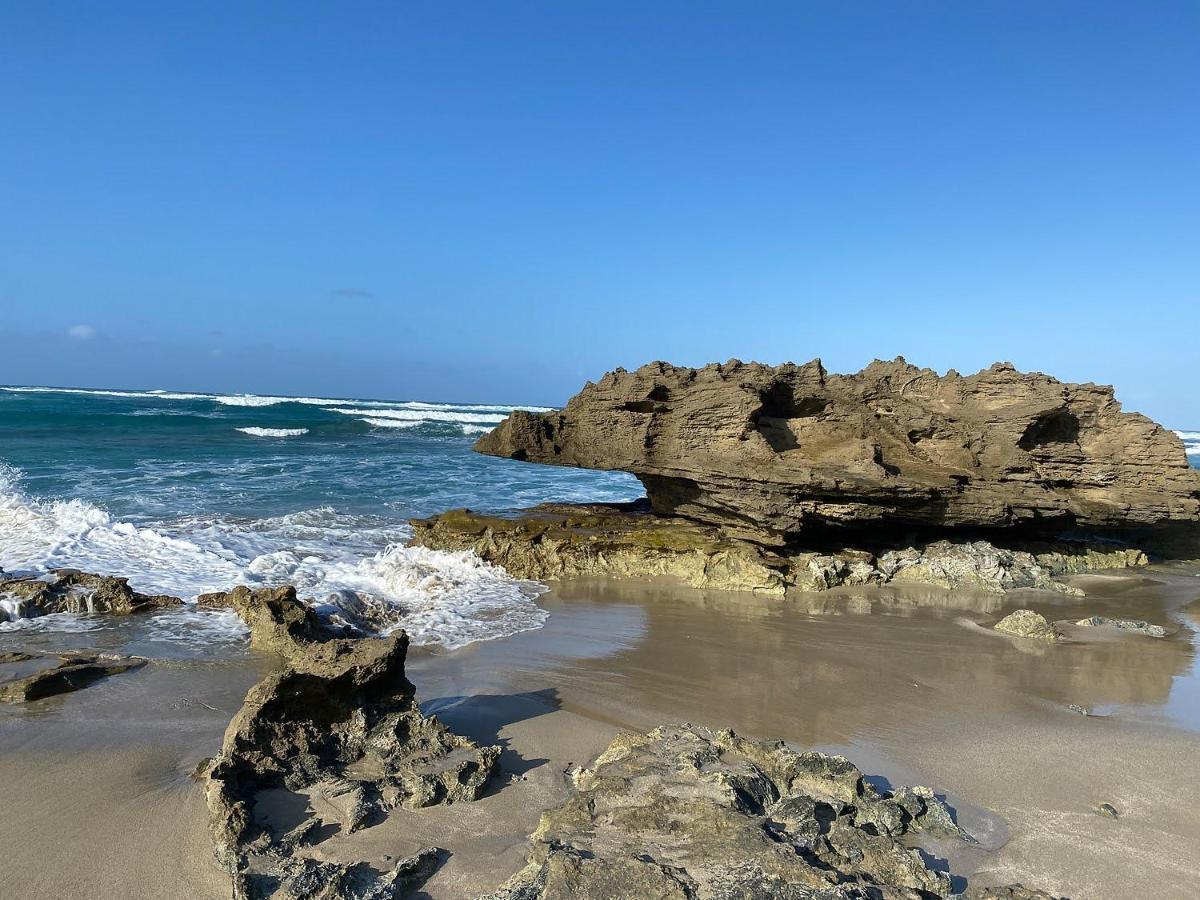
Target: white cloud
{"type": "Point", "coordinates": [81, 332]}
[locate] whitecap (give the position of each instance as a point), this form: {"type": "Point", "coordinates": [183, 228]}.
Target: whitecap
{"type": "Point", "coordinates": [392, 423]}
{"type": "Point", "coordinates": [421, 415]}
{"type": "Point", "coordinates": [354, 567]}
{"type": "Point", "coordinates": [273, 432]}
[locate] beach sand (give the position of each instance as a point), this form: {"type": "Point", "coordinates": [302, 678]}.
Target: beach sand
{"type": "Point", "coordinates": [910, 683]}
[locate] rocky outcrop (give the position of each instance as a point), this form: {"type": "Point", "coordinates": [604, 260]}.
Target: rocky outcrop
{"type": "Point", "coordinates": [781, 456]}
{"type": "Point", "coordinates": [341, 721]}
{"type": "Point", "coordinates": [686, 812]}
{"type": "Point", "coordinates": [557, 541]}
{"type": "Point", "coordinates": [62, 675]}
{"type": "Point", "coordinates": [1138, 626]}
{"type": "Point", "coordinates": [1026, 623]}
{"type": "Point", "coordinates": [72, 591]}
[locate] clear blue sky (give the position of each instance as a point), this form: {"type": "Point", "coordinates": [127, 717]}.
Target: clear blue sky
{"type": "Point", "coordinates": [498, 200]}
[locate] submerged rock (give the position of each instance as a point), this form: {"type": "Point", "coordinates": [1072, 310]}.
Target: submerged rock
{"type": "Point", "coordinates": [1138, 625]}
{"type": "Point", "coordinates": [556, 541]}
{"type": "Point", "coordinates": [1028, 624]}
{"type": "Point", "coordinates": [72, 673]}
{"type": "Point", "coordinates": [72, 591]}
{"type": "Point", "coordinates": [778, 455]}
{"type": "Point", "coordinates": [339, 719]}
{"type": "Point", "coordinates": [686, 812]}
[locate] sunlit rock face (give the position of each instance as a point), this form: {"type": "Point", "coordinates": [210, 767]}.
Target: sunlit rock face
{"type": "Point", "coordinates": [781, 454]}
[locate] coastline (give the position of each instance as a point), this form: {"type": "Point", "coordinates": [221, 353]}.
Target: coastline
{"type": "Point", "coordinates": [907, 681]}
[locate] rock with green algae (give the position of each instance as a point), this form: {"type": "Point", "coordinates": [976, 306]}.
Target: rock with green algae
{"type": "Point", "coordinates": [558, 541]}
{"type": "Point", "coordinates": [1137, 625]}
{"type": "Point", "coordinates": [687, 812]}
{"type": "Point", "coordinates": [1026, 623]}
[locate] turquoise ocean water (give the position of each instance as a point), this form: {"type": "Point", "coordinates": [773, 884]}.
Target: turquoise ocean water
{"type": "Point", "coordinates": [188, 492]}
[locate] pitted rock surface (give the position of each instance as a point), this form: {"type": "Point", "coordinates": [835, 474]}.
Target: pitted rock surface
{"type": "Point", "coordinates": [73, 591]}
{"type": "Point", "coordinates": [340, 719]}
{"type": "Point", "coordinates": [686, 812]}
{"type": "Point", "coordinates": [774, 454]}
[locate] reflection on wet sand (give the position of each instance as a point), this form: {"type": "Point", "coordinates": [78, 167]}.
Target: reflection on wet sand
{"type": "Point", "coordinates": [838, 667]}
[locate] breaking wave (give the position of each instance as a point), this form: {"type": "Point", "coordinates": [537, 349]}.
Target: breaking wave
{"type": "Point", "coordinates": [273, 432]}
{"type": "Point", "coordinates": [1191, 442]}
{"type": "Point", "coordinates": [354, 568]}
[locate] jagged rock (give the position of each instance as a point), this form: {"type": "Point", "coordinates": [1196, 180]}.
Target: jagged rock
{"type": "Point", "coordinates": [309, 879]}
{"type": "Point", "coordinates": [776, 455]}
{"type": "Point", "coordinates": [1028, 624]}
{"type": "Point", "coordinates": [1138, 625]}
{"type": "Point", "coordinates": [556, 541]}
{"type": "Point", "coordinates": [686, 812]}
{"type": "Point", "coordinates": [341, 719]}
{"type": "Point", "coordinates": [72, 591]}
{"type": "Point", "coordinates": [278, 621]}
{"type": "Point", "coordinates": [72, 673]}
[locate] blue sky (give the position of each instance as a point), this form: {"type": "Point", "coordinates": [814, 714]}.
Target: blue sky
{"type": "Point", "coordinates": [499, 200]}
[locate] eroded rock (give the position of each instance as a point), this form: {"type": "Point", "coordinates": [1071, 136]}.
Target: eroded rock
{"type": "Point", "coordinates": [776, 455]}
{"type": "Point", "coordinates": [627, 540]}
{"type": "Point", "coordinates": [73, 591]}
{"type": "Point", "coordinates": [72, 672]}
{"type": "Point", "coordinates": [1028, 624]}
{"type": "Point", "coordinates": [340, 719]}
{"type": "Point", "coordinates": [1138, 625]}
{"type": "Point", "coordinates": [686, 812]}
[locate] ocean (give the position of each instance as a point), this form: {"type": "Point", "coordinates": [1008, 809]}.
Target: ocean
{"type": "Point", "coordinates": [185, 493]}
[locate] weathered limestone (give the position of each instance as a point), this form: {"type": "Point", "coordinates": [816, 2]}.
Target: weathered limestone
{"type": "Point", "coordinates": [776, 455]}
{"type": "Point", "coordinates": [1026, 623]}
{"type": "Point", "coordinates": [72, 591]}
{"type": "Point", "coordinates": [340, 719]}
{"type": "Point", "coordinates": [686, 812]}
{"type": "Point", "coordinates": [557, 541]}
{"type": "Point", "coordinates": [1137, 625]}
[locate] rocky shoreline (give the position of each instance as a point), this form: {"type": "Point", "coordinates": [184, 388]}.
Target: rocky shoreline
{"type": "Point", "coordinates": [557, 541]}
{"type": "Point", "coordinates": [770, 479]}
{"type": "Point", "coordinates": [760, 480]}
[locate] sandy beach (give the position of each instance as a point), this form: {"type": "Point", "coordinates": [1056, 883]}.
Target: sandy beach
{"type": "Point", "coordinates": [909, 683]}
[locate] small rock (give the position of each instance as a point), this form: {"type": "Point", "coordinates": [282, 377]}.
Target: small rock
{"type": "Point", "coordinates": [1028, 624]}
{"type": "Point", "coordinates": [1137, 625]}
{"type": "Point", "coordinates": [70, 674]}
{"type": "Point", "coordinates": [1108, 810]}
{"type": "Point", "coordinates": [1082, 710]}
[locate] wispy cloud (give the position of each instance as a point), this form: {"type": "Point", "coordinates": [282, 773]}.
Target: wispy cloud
{"type": "Point", "coordinates": [81, 332]}
{"type": "Point", "coordinates": [352, 293]}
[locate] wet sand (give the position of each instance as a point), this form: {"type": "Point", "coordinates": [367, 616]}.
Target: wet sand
{"type": "Point", "coordinates": [909, 683]}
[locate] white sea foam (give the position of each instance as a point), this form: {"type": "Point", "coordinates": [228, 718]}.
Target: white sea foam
{"type": "Point", "coordinates": [353, 567]}
{"type": "Point", "coordinates": [393, 423]}
{"type": "Point", "coordinates": [476, 429]}
{"type": "Point", "coordinates": [273, 432]}
{"type": "Point", "coordinates": [421, 415]}
{"type": "Point", "coordinates": [156, 395]}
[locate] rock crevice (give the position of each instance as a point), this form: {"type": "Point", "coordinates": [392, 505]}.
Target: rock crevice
{"type": "Point", "coordinates": [779, 455]}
